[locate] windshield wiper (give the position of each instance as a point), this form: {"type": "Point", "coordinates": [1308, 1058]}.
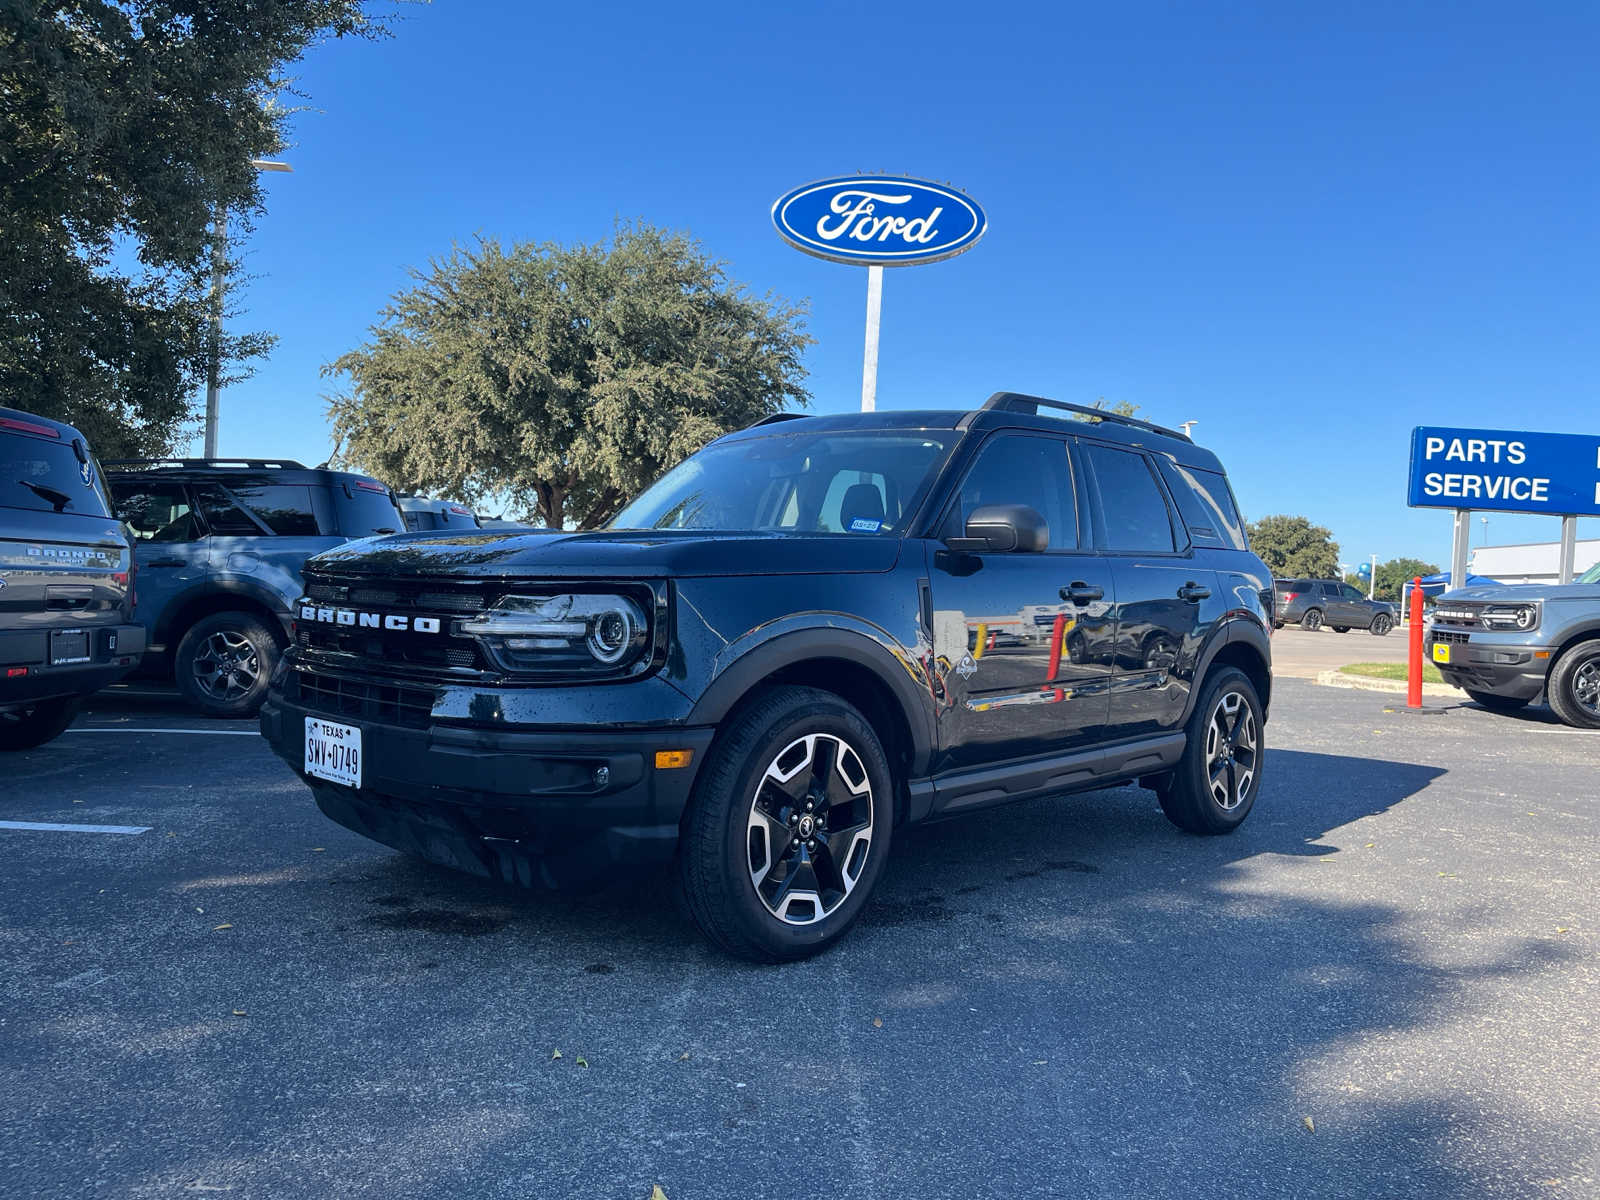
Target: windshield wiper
{"type": "Point", "coordinates": [59, 499]}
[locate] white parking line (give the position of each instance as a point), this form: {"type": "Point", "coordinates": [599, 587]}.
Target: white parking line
{"type": "Point", "coordinates": [48, 827]}
{"type": "Point", "coordinates": [210, 732]}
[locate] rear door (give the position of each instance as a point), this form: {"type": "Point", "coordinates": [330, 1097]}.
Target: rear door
{"type": "Point", "coordinates": [1168, 601]}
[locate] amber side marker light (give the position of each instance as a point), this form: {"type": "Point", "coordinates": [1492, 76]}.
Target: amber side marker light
{"type": "Point", "coordinates": [1541, 654]}
{"type": "Point", "coordinates": [667, 760]}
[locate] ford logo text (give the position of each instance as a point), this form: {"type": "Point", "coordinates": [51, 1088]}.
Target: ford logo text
{"type": "Point", "coordinates": [878, 220]}
{"type": "Point", "coordinates": [353, 619]}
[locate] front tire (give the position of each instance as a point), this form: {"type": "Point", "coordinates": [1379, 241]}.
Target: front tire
{"type": "Point", "coordinates": [25, 728]}
{"type": "Point", "coordinates": [1381, 625]}
{"type": "Point", "coordinates": [1215, 783]}
{"type": "Point", "coordinates": [1496, 703]}
{"type": "Point", "coordinates": [789, 827]}
{"type": "Point", "coordinates": [224, 662]}
{"type": "Point", "coordinates": [1312, 621]}
{"type": "Point", "coordinates": [1574, 686]}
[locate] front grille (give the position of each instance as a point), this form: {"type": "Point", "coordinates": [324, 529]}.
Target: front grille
{"type": "Point", "coordinates": [397, 651]}
{"type": "Point", "coordinates": [341, 696]}
{"type": "Point", "coordinates": [1459, 616]}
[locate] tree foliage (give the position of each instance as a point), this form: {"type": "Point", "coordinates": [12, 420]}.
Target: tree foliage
{"type": "Point", "coordinates": [125, 126]}
{"type": "Point", "coordinates": [565, 378]}
{"type": "Point", "coordinates": [1393, 575]}
{"type": "Point", "coordinates": [1292, 547]}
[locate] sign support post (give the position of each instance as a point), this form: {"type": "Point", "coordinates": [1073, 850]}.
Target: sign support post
{"type": "Point", "coordinates": [1569, 548]}
{"type": "Point", "coordinates": [1459, 547]}
{"type": "Point", "coordinates": [869, 359]}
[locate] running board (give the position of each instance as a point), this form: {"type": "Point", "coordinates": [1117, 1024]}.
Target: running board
{"type": "Point", "coordinates": [1101, 766]}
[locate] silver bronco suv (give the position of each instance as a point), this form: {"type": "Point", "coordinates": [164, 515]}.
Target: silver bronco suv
{"type": "Point", "coordinates": [1504, 645]}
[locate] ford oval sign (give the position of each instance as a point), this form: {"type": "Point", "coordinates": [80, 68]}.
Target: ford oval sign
{"type": "Point", "coordinates": [878, 220]}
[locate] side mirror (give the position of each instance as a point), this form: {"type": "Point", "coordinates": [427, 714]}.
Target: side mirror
{"type": "Point", "coordinates": [1004, 529]}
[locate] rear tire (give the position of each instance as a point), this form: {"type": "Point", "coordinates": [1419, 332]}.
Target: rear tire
{"type": "Point", "coordinates": [1574, 686]}
{"type": "Point", "coordinates": [25, 728]}
{"type": "Point", "coordinates": [1312, 621]}
{"type": "Point", "coordinates": [224, 662]}
{"type": "Point", "coordinates": [1496, 703]}
{"type": "Point", "coordinates": [757, 865]}
{"type": "Point", "coordinates": [1215, 783]}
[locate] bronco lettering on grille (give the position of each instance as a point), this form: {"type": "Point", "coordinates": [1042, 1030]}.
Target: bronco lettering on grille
{"type": "Point", "coordinates": [351, 618]}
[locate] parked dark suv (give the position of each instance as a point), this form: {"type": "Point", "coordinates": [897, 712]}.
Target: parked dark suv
{"type": "Point", "coordinates": [66, 586]}
{"type": "Point", "coordinates": [807, 635]}
{"type": "Point", "coordinates": [1313, 603]}
{"type": "Point", "coordinates": [220, 546]}
{"type": "Point", "coordinates": [423, 513]}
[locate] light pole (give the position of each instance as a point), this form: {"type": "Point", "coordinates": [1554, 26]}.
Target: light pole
{"type": "Point", "coordinates": [219, 270]}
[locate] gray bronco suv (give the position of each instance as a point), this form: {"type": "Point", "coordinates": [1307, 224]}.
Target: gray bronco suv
{"type": "Point", "coordinates": [1504, 645]}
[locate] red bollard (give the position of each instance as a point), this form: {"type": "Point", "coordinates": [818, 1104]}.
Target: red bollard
{"type": "Point", "coordinates": [1414, 671]}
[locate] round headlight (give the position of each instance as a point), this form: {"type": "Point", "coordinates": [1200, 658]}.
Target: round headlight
{"type": "Point", "coordinates": [611, 634]}
{"type": "Point", "coordinates": [1526, 616]}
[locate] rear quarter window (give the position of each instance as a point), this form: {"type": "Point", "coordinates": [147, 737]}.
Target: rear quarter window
{"type": "Point", "coordinates": [1206, 502]}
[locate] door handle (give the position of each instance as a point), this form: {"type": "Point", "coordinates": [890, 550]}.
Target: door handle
{"type": "Point", "coordinates": [1193, 591]}
{"type": "Point", "coordinates": [1081, 593]}
{"type": "Point", "coordinates": [163, 562]}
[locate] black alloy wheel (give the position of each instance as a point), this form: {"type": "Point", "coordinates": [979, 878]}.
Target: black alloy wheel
{"type": "Point", "coordinates": [38, 723]}
{"type": "Point", "coordinates": [1381, 625]}
{"type": "Point", "coordinates": [789, 826]}
{"type": "Point", "coordinates": [1215, 784]}
{"type": "Point", "coordinates": [1312, 621]}
{"type": "Point", "coordinates": [224, 662]}
{"type": "Point", "coordinates": [1574, 686]}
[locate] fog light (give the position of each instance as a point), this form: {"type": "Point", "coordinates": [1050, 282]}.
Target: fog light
{"type": "Point", "coordinates": [667, 760]}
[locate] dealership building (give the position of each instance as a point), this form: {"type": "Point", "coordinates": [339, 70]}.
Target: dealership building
{"type": "Point", "coordinates": [1533, 562]}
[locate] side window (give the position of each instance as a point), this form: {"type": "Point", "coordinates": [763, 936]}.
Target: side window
{"type": "Point", "coordinates": [856, 502]}
{"type": "Point", "coordinates": [223, 517]}
{"type": "Point", "coordinates": [1137, 519]}
{"type": "Point", "coordinates": [284, 509]}
{"type": "Point", "coordinates": [1016, 468]}
{"type": "Point", "coordinates": [1206, 502]}
{"type": "Point", "coordinates": [1352, 593]}
{"type": "Point", "coordinates": [157, 512]}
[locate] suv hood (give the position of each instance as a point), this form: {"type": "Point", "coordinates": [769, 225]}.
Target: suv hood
{"type": "Point", "coordinates": [610, 554]}
{"type": "Point", "coordinates": [1511, 592]}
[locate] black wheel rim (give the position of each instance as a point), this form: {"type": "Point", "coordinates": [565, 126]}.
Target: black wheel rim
{"type": "Point", "coordinates": [1232, 750]}
{"type": "Point", "coordinates": [1380, 626]}
{"type": "Point", "coordinates": [1586, 687]}
{"type": "Point", "coordinates": [1314, 621]}
{"type": "Point", "coordinates": [809, 828]}
{"type": "Point", "coordinates": [226, 666]}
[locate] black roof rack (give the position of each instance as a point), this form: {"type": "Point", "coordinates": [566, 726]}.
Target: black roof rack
{"type": "Point", "coordinates": [776, 417]}
{"type": "Point", "coordinates": [1019, 402]}
{"type": "Point", "coordinates": [231, 464]}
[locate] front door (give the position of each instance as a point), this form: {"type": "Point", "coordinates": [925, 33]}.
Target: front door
{"type": "Point", "coordinates": [1167, 604]}
{"type": "Point", "coordinates": [1024, 640]}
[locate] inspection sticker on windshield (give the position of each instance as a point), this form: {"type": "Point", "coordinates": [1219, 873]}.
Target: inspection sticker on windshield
{"type": "Point", "coordinates": [865, 525]}
{"type": "Point", "coordinates": [333, 751]}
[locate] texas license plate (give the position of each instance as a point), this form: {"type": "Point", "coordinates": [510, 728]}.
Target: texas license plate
{"type": "Point", "coordinates": [333, 751]}
{"type": "Point", "coordinates": [1441, 652]}
{"type": "Point", "coordinates": [69, 646]}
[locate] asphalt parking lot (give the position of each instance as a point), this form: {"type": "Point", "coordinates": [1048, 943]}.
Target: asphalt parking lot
{"type": "Point", "coordinates": [1386, 984]}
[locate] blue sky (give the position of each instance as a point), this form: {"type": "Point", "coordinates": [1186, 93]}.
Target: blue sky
{"type": "Point", "coordinates": [1307, 232]}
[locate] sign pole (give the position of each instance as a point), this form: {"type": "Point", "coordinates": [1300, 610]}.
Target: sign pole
{"type": "Point", "coordinates": [1372, 580]}
{"type": "Point", "coordinates": [869, 360]}
{"type": "Point", "coordinates": [1458, 549]}
{"type": "Point", "coordinates": [1569, 548]}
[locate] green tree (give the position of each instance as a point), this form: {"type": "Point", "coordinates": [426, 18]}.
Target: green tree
{"type": "Point", "coordinates": [1397, 572]}
{"type": "Point", "coordinates": [564, 378]}
{"type": "Point", "coordinates": [1292, 547]}
{"type": "Point", "coordinates": [125, 127]}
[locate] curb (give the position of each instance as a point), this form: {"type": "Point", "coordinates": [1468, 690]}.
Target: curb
{"type": "Point", "coordinates": [1336, 678]}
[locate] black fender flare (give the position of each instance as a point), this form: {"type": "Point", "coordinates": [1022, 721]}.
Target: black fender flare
{"type": "Point", "coordinates": [268, 599]}
{"type": "Point", "coordinates": [1230, 631]}
{"type": "Point", "coordinates": [896, 670]}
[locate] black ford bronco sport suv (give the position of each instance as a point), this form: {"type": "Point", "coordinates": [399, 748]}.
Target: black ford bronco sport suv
{"type": "Point", "coordinates": [807, 635]}
{"type": "Point", "coordinates": [66, 586]}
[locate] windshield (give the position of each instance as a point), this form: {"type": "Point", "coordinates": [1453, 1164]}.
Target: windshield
{"type": "Point", "coordinates": [48, 476]}
{"type": "Point", "coordinates": [857, 483]}
{"type": "Point", "coordinates": [1592, 575]}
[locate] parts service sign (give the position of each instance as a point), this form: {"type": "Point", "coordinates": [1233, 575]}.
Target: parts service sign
{"type": "Point", "coordinates": [878, 220]}
{"type": "Point", "coordinates": [1553, 473]}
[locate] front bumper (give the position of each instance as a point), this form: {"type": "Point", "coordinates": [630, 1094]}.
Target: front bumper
{"type": "Point", "coordinates": [26, 675]}
{"type": "Point", "coordinates": [1487, 662]}
{"type": "Point", "coordinates": [546, 806]}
